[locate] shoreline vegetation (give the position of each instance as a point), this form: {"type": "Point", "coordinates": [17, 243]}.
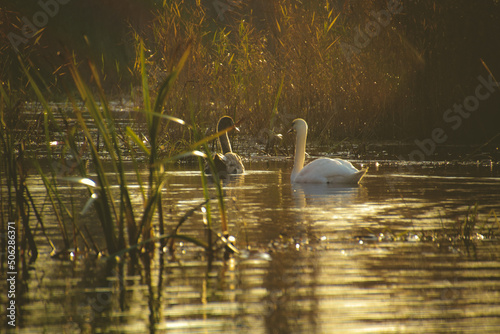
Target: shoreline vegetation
{"type": "Point", "coordinates": [371, 71]}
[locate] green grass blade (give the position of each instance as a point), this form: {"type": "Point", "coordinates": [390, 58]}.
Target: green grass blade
{"type": "Point", "coordinates": [212, 137]}
{"type": "Point", "coordinates": [145, 86]}
{"type": "Point", "coordinates": [135, 138]}
{"type": "Point", "coordinates": [47, 111]}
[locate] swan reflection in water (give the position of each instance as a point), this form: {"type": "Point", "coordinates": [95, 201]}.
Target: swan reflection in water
{"type": "Point", "coordinates": [325, 195]}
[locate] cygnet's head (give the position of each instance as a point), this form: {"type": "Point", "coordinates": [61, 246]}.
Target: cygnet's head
{"type": "Point", "coordinates": [225, 122]}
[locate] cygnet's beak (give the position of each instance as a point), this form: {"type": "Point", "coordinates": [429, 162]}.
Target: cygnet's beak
{"type": "Point", "coordinates": [236, 124]}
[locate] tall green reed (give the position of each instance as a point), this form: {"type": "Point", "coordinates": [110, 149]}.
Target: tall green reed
{"type": "Point", "coordinates": [15, 198]}
{"type": "Point", "coordinates": [125, 228]}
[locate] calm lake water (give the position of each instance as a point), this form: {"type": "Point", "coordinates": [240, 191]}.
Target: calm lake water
{"type": "Point", "coordinates": [384, 257]}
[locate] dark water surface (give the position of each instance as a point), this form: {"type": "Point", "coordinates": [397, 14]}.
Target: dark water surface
{"type": "Point", "coordinates": [384, 257]}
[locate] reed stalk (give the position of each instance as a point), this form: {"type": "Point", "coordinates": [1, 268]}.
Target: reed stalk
{"type": "Point", "coordinates": [123, 228]}
{"type": "Point", "coordinates": [17, 202]}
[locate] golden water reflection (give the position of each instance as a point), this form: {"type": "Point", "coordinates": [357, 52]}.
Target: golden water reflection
{"type": "Point", "coordinates": [314, 259]}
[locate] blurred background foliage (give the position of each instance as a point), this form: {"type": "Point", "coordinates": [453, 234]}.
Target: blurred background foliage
{"type": "Point", "coordinates": [267, 62]}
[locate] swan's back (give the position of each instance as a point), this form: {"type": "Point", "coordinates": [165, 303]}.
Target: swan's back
{"type": "Point", "coordinates": [325, 170]}
{"type": "Point", "coordinates": [233, 163]}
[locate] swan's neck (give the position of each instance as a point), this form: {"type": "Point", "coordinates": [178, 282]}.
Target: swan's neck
{"type": "Point", "coordinates": [225, 144]}
{"type": "Point", "coordinates": [300, 152]}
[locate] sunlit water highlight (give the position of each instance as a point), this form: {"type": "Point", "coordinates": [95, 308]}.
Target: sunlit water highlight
{"type": "Point", "coordinates": [383, 257]}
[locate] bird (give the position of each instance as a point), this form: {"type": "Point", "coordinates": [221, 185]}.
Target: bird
{"type": "Point", "coordinates": [322, 170]}
{"type": "Point", "coordinates": [226, 162]}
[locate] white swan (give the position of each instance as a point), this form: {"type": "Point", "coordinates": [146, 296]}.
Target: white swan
{"type": "Point", "coordinates": [228, 162]}
{"type": "Point", "coordinates": [323, 170]}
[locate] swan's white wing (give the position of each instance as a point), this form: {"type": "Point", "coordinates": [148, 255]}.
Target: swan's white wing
{"type": "Point", "coordinates": [325, 170]}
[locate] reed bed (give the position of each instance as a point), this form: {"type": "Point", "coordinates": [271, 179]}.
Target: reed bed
{"type": "Point", "coordinates": [125, 227]}
{"type": "Point", "coordinates": [395, 84]}
{"type": "Point", "coordinates": [332, 62]}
